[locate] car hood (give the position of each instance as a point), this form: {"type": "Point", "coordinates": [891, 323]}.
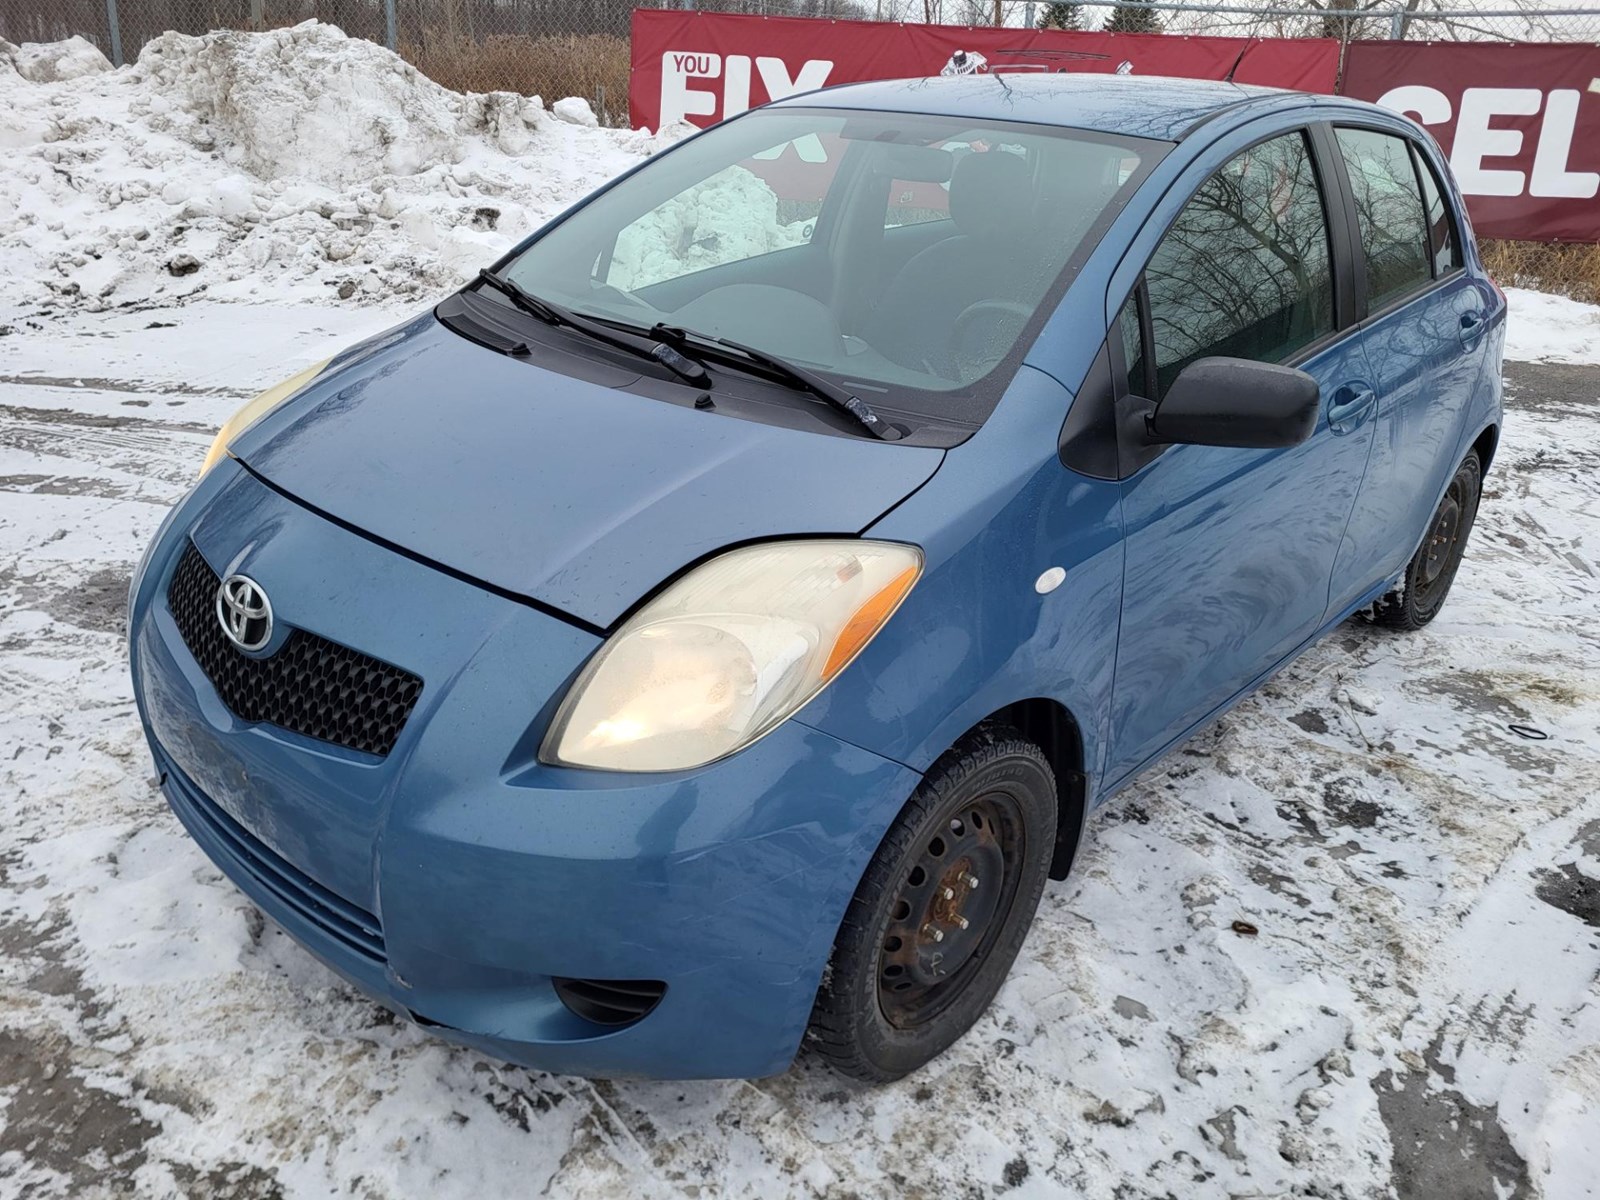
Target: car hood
{"type": "Point", "coordinates": [570, 493]}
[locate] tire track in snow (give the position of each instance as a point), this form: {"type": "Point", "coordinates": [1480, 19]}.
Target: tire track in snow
{"type": "Point", "coordinates": [155, 459]}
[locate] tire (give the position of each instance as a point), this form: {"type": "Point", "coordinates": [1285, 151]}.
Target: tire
{"type": "Point", "coordinates": [894, 996]}
{"type": "Point", "coordinates": [1432, 569]}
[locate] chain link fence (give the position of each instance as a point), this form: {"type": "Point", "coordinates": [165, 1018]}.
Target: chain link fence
{"type": "Point", "coordinates": [557, 48]}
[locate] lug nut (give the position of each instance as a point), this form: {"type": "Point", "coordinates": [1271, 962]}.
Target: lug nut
{"type": "Point", "coordinates": [934, 932]}
{"type": "Point", "coordinates": [948, 893]}
{"type": "Point", "coordinates": [970, 880]}
{"type": "Point", "coordinates": [962, 922]}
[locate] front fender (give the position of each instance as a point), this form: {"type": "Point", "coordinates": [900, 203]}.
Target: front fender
{"type": "Point", "coordinates": [975, 636]}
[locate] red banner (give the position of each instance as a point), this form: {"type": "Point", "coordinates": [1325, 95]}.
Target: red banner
{"type": "Point", "coordinates": [1520, 123]}
{"type": "Point", "coordinates": [702, 67]}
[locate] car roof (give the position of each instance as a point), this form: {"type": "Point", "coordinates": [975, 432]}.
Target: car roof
{"type": "Point", "coordinates": [1150, 106]}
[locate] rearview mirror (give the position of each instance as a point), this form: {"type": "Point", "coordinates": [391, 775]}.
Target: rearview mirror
{"type": "Point", "coordinates": [1237, 402]}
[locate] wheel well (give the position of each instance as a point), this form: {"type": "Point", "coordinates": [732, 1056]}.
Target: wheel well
{"type": "Point", "coordinates": [1485, 447]}
{"type": "Point", "coordinates": [1048, 725]}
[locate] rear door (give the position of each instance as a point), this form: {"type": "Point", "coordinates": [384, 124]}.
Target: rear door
{"type": "Point", "coordinates": [1424, 320]}
{"type": "Point", "coordinates": [1229, 552]}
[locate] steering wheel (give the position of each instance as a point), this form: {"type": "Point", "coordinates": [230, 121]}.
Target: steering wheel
{"type": "Point", "coordinates": [981, 328]}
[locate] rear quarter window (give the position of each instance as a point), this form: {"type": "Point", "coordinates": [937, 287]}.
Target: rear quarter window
{"type": "Point", "coordinates": [1445, 241]}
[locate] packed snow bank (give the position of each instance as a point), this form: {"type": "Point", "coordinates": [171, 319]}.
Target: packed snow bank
{"type": "Point", "coordinates": [51, 62]}
{"type": "Point", "coordinates": [311, 103]}
{"type": "Point", "coordinates": [575, 110]}
{"type": "Point", "coordinates": [1545, 328]}
{"type": "Point", "coordinates": [300, 161]}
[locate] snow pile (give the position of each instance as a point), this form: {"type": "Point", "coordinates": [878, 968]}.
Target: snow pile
{"type": "Point", "coordinates": [300, 161]}
{"type": "Point", "coordinates": [575, 110]}
{"type": "Point", "coordinates": [51, 62]}
{"type": "Point", "coordinates": [310, 102]}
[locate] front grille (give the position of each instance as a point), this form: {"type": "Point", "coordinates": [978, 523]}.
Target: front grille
{"type": "Point", "coordinates": [611, 1001]}
{"type": "Point", "coordinates": [309, 686]}
{"type": "Point", "coordinates": [350, 926]}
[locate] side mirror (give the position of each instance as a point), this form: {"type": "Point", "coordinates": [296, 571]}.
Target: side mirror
{"type": "Point", "coordinates": [1237, 402]}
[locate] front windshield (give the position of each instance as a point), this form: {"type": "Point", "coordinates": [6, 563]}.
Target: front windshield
{"type": "Point", "coordinates": [905, 255]}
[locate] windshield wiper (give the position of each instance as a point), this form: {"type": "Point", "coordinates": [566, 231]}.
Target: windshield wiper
{"type": "Point", "coordinates": [552, 313]}
{"type": "Point", "coordinates": [800, 377]}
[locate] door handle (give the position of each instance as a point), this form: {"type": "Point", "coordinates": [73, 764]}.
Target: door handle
{"type": "Point", "coordinates": [1471, 327]}
{"type": "Point", "coordinates": [1350, 406]}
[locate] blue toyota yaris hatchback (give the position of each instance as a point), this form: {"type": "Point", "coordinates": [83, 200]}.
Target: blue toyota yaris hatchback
{"type": "Point", "coordinates": [707, 631]}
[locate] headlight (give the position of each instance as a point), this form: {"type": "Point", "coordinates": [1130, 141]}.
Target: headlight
{"type": "Point", "coordinates": [728, 652]}
{"type": "Point", "coordinates": [255, 410]}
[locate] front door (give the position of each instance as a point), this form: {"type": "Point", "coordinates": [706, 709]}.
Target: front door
{"type": "Point", "coordinates": [1229, 553]}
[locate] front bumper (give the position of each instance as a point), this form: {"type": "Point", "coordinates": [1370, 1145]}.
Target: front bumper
{"type": "Point", "coordinates": [456, 878]}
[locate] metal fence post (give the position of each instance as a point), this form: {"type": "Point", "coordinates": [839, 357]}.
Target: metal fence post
{"type": "Point", "coordinates": [391, 36]}
{"type": "Point", "coordinates": [116, 33]}
{"type": "Point", "coordinates": [1397, 24]}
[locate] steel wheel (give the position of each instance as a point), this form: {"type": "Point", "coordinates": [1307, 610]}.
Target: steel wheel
{"type": "Point", "coordinates": [943, 917]}
{"type": "Point", "coordinates": [1433, 568]}
{"type": "Point", "coordinates": [1440, 549]}
{"type": "Point", "coordinates": [941, 910]}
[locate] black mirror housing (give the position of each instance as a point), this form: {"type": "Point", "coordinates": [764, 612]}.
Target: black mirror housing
{"type": "Point", "coordinates": [1237, 402]}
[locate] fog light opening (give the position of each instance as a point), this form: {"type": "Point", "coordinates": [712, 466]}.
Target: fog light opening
{"type": "Point", "coordinates": [612, 1002]}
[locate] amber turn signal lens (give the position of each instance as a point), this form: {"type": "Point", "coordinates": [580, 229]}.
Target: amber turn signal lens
{"type": "Point", "coordinates": [868, 619]}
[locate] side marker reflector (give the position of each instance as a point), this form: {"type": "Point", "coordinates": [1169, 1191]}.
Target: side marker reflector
{"type": "Point", "coordinates": [1050, 580]}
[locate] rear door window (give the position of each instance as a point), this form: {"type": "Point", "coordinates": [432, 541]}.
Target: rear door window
{"type": "Point", "coordinates": [1245, 269]}
{"type": "Point", "coordinates": [1389, 212]}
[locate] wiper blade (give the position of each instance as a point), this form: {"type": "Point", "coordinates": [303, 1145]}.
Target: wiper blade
{"type": "Point", "coordinates": [803, 378]}
{"type": "Point", "coordinates": [552, 313]}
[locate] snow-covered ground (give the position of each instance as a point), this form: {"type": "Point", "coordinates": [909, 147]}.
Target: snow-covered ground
{"type": "Point", "coordinates": [1344, 944]}
{"type": "Point", "coordinates": [1552, 329]}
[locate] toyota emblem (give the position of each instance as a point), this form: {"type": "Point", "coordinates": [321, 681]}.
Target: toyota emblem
{"type": "Point", "coordinates": [245, 612]}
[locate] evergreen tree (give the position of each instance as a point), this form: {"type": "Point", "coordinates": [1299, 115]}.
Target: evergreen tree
{"type": "Point", "coordinates": [1133, 18]}
{"type": "Point", "coordinates": [1062, 16]}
